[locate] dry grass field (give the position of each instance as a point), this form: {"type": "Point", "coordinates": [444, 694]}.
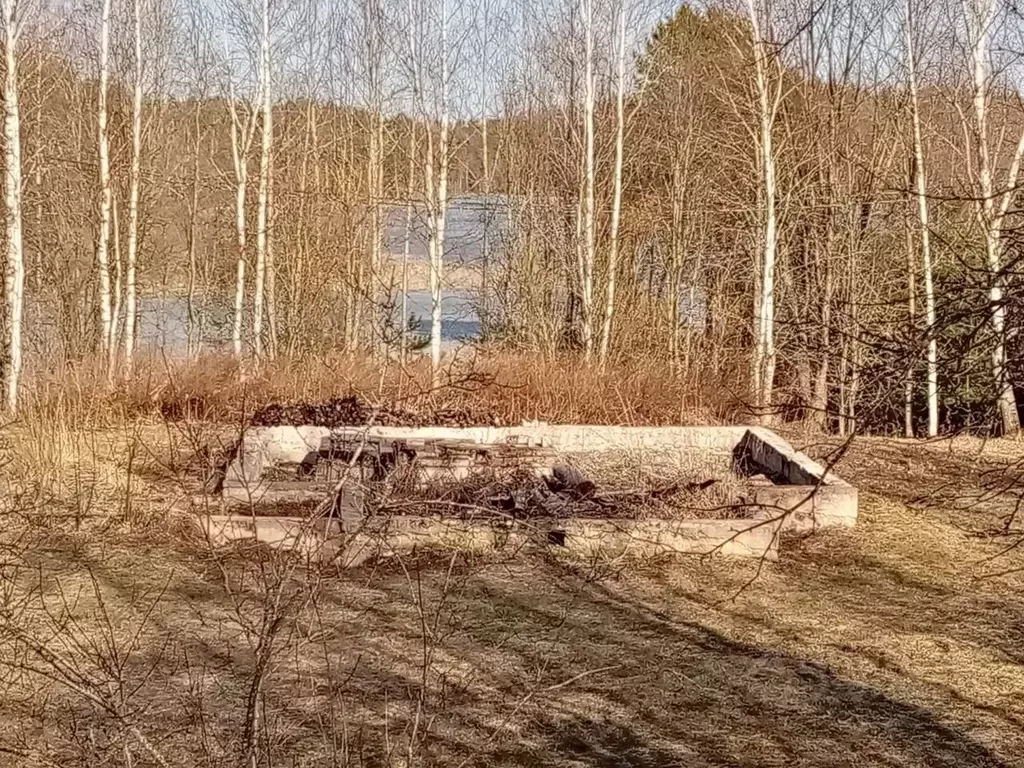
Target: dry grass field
{"type": "Point", "coordinates": [127, 642]}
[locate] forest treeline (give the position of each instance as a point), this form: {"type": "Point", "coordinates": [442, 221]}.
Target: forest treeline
{"type": "Point", "coordinates": [813, 203]}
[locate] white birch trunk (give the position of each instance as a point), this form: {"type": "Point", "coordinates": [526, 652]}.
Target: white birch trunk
{"type": "Point", "coordinates": [764, 353]}
{"type": "Point", "coordinates": [920, 192]}
{"type": "Point", "coordinates": [620, 137]}
{"type": "Point", "coordinates": [485, 244]}
{"type": "Point", "coordinates": [980, 17]}
{"type": "Point", "coordinates": [133, 197]}
{"type": "Point", "coordinates": [14, 274]}
{"type": "Point", "coordinates": [106, 194]}
{"type": "Point", "coordinates": [406, 245]}
{"type": "Point", "coordinates": [241, 164]}
{"type": "Point", "coordinates": [117, 291]}
{"type": "Point", "coordinates": [271, 289]}
{"type": "Point", "coordinates": [241, 141]}
{"type": "Point", "coordinates": [440, 212]}
{"type": "Point", "coordinates": [262, 213]}
{"type": "Point", "coordinates": [589, 242]}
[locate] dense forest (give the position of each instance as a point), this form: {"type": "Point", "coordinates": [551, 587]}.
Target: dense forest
{"type": "Point", "coordinates": [833, 185]}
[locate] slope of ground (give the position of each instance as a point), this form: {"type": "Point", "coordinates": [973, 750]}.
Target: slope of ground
{"type": "Point", "coordinates": [897, 643]}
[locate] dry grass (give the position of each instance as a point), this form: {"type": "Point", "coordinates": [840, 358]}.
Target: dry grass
{"type": "Point", "coordinates": [683, 485]}
{"type": "Point", "coordinates": [512, 387]}
{"type": "Point", "coordinates": [871, 647]}
{"type": "Point", "coordinates": [896, 643]}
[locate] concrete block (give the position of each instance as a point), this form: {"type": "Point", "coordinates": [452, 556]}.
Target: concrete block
{"type": "Point", "coordinates": [583, 538]}
{"type": "Point", "coordinates": [317, 539]}
{"type": "Point", "coordinates": [807, 495]}
{"type": "Point", "coordinates": [246, 470]}
{"type": "Point", "coordinates": [648, 538]}
{"type": "Point", "coordinates": [807, 509]}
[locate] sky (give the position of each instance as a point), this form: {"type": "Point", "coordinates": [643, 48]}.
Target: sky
{"type": "Point", "coordinates": [321, 46]}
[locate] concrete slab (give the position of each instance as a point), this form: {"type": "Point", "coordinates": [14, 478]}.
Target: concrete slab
{"type": "Point", "coordinates": [589, 539]}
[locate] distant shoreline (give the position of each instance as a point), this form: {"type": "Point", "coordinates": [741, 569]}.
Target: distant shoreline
{"type": "Point", "coordinates": [455, 278]}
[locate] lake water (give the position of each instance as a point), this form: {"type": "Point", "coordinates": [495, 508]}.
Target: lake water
{"type": "Point", "coordinates": [163, 321]}
{"type": "Point", "coordinates": [472, 220]}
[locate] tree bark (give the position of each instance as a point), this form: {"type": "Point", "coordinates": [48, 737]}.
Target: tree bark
{"type": "Point", "coordinates": [620, 137]}
{"type": "Point", "coordinates": [980, 17]}
{"type": "Point", "coordinates": [133, 196]}
{"type": "Point", "coordinates": [589, 241]}
{"type": "Point", "coordinates": [106, 194]}
{"type": "Point", "coordinates": [763, 377]}
{"type": "Point", "coordinates": [14, 274]}
{"type": "Point", "coordinates": [262, 203]}
{"type": "Point", "coordinates": [920, 193]}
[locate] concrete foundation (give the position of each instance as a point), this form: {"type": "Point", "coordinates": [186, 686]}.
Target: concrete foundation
{"type": "Point", "coordinates": [599, 540]}
{"type": "Point", "coordinates": [803, 497]}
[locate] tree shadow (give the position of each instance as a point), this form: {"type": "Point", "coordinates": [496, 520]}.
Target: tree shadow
{"type": "Point", "coordinates": [535, 664]}
{"type": "Point", "coordinates": [679, 693]}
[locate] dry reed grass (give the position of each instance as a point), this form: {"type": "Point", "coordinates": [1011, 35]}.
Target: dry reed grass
{"type": "Point", "coordinates": [513, 387]}
{"type": "Point", "coordinates": [84, 451]}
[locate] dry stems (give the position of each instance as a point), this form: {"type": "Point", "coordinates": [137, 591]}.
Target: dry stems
{"type": "Point", "coordinates": [123, 645]}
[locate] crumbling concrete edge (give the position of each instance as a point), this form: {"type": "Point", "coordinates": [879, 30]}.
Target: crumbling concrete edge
{"type": "Point", "coordinates": [581, 538]}
{"type": "Point", "coordinates": [809, 497]}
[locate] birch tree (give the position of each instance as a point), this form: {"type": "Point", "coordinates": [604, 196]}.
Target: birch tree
{"type": "Point", "coordinates": [436, 152]}
{"type": "Point", "coordinates": [106, 192]}
{"type": "Point", "coordinates": [14, 275]}
{"type": "Point", "coordinates": [263, 200]}
{"type": "Point", "coordinates": [133, 192]}
{"type": "Point", "coordinates": [993, 203]}
{"type": "Point", "coordinates": [588, 249]}
{"type": "Point", "coordinates": [438, 216]}
{"type": "Point", "coordinates": [243, 130]}
{"type": "Point", "coordinates": [920, 193]}
{"type": "Point", "coordinates": [620, 138]}
{"type": "Point", "coordinates": [768, 96]}
{"type": "Point", "coordinates": [373, 38]}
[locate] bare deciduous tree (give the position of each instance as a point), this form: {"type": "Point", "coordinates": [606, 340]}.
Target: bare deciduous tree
{"type": "Point", "coordinates": [107, 328]}
{"type": "Point", "coordinates": [14, 272]}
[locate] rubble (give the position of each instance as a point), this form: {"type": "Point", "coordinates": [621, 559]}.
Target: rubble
{"type": "Point", "coordinates": [561, 493]}
{"type": "Point", "coordinates": [353, 411]}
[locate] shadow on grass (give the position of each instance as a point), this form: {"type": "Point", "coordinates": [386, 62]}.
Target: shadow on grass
{"type": "Point", "coordinates": [683, 694]}
{"type": "Point", "coordinates": [532, 664]}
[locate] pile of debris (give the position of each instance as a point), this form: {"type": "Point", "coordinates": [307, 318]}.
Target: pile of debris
{"type": "Point", "coordinates": [385, 476]}
{"type": "Point", "coordinates": [564, 492]}
{"type": "Point", "coordinates": [353, 411]}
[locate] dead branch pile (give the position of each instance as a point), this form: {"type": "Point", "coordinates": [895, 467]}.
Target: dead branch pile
{"type": "Point", "coordinates": [565, 493]}
{"type": "Point", "coordinates": [353, 411]}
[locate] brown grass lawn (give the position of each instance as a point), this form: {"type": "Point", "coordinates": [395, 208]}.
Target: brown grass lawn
{"type": "Point", "coordinates": [899, 643]}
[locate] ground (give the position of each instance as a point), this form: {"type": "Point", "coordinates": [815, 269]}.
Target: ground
{"type": "Point", "coordinates": [900, 642]}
